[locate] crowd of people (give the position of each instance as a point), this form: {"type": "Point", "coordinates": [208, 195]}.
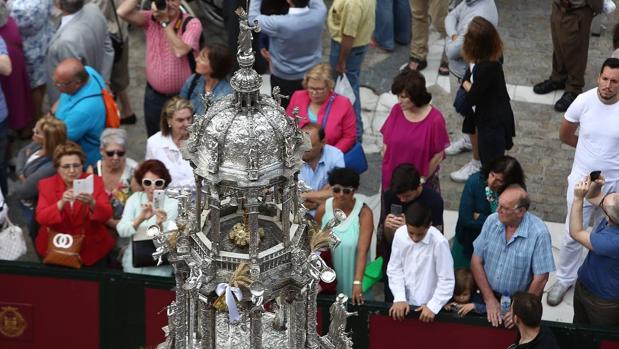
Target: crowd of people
{"type": "Point", "coordinates": [500, 250]}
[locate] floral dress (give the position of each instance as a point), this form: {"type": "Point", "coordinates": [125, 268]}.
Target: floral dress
{"type": "Point", "coordinates": [118, 196]}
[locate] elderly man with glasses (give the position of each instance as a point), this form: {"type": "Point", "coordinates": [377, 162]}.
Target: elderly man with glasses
{"type": "Point", "coordinates": [596, 294]}
{"type": "Point", "coordinates": [512, 253]}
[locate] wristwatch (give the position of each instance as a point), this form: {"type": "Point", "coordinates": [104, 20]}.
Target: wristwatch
{"type": "Point", "coordinates": [164, 24]}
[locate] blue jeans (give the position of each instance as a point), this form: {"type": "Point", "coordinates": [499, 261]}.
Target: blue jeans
{"type": "Point", "coordinates": [27, 214]}
{"type": "Point", "coordinates": [353, 70]}
{"type": "Point", "coordinates": [393, 23]}
{"type": "Point", "coordinates": [4, 144]}
{"type": "Point", "coordinates": [153, 105]}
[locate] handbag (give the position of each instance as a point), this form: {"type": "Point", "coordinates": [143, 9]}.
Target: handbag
{"type": "Point", "coordinates": [373, 274]}
{"type": "Point", "coordinates": [142, 249]}
{"type": "Point", "coordinates": [64, 249]}
{"type": "Point", "coordinates": [355, 157]}
{"type": "Point", "coordinates": [117, 39]}
{"type": "Point", "coordinates": [462, 107]}
{"type": "Point", "coordinates": [12, 241]}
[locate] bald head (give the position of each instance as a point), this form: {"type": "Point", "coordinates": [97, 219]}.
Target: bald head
{"type": "Point", "coordinates": [513, 204]}
{"type": "Point", "coordinates": [611, 206]}
{"type": "Point", "coordinates": [70, 75]}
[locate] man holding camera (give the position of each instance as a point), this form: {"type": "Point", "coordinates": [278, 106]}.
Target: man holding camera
{"type": "Point", "coordinates": [597, 149]}
{"type": "Point", "coordinates": [172, 42]}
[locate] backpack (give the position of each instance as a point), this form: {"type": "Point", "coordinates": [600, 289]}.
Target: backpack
{"type": "Point", "coordinates": [112, 115]}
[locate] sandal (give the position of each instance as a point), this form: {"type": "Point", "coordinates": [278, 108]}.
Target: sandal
{"type": "Point", "coordinates": [443, 69]}
{"type": "Point", "coordinates": [417, 64]}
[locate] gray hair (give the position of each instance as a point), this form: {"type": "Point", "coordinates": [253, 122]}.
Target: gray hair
{"type": "Point", "coordinates": [114, 136]}
{"type": "Point", "coordinates": [70, 6]}
{"type": "Point", "coordinates": [612, 207]}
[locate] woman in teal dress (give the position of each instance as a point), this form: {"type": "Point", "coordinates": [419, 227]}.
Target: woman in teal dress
{"type": "Point", "coordinates": [351, 255]}
{"type": "Point", "coordinates": [479, 200]}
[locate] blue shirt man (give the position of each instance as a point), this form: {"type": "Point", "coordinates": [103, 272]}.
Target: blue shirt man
{"type": "Point", "coordinates": [81, 105]}
{"type": "Point", "coordinates": [512, 253]}
{"type": "Point", "coordinates": [318, 162]}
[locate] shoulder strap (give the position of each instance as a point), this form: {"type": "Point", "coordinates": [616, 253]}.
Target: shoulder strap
{"type": "Point", "coordinates": [192, 84]}
{"type": "Point", "coordinates": [324, 119]}
{"type": "Point", "coordinates": [120, 31]}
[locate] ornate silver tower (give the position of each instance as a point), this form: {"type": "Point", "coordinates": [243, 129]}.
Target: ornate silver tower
{"type": "Point", "coordinates": [242, 240]}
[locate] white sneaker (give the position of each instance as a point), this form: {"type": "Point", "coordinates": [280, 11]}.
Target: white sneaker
{"type": "Point", "coordinates": [461, 145]}
{"type": "Point", "coordinates": [463, 174]}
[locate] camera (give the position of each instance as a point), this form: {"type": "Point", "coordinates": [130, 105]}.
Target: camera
{"type": "Point", "coordinates": [160, 4]}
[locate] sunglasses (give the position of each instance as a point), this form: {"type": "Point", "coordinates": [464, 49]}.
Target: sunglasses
{"type": "Point", "coordinates": [159, 183]}
{"type": "Point", "coordinates": [111, 153]}
{"type": "Point", "coordinates": [346, 190]}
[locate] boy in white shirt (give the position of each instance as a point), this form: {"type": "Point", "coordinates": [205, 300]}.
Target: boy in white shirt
{"type": "Point", "coordinates": [420, 270]}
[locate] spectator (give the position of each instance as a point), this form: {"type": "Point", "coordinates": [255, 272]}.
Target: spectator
{"type": "Point", "coordinates": [479, 199]}
{"type": "Point", "coordinates": [424, 12]}
{"type": "Point", "coordinates": [33, 17]}
{"type": "Point", "coordinates": [59, 210]}
{"type": "Point", "coordinates": [16, 86]}
{"type": "Point", "coordinates": [512, 253]}
{"type": "Point", "coordinates": [116, 170]}
{"type": "Point", "coordinates": [414, 131]}
{"type": "Point", "coordinates": [119, 77]}
{"type": "Point", "coordinates": [139, 213]}
{"type": "Point", "coordinates": [270, 8]}
{"type": "Point", "coordinates": [319, 104]}
{"type": "Point", "coordinates": [393, 24]}
{"type": "Point", "coordinates": [34, 162]}
{"type": "Point", "coordinates": [212, 68]}
{"type": "Point", "coordinates": [318, 162]}
{"type": "Point", "coordinates": [294, 41]}
{"type": "Point", "coordinates": [406, 190]}
{"type": "Point", "coordinates": [351, 23]}
{"type": "Point", "coordinates": [570, 27]}
{"type": "Point", "coordinates": [456, 24]}
{"type": "Point", "coordinates": [82, 35]}
{"type": "Point", "coordinates": [527, 311]}
{"type": "Point", "coordinates": [5, 70]}
{"type": "Point", "coordinates": [466, 296]}
{"type": "Point", "coordinates": [596, 295]}
{"type": "Point", "coordinates": [351, 255]}
{"type": "Point", "coordinates": [428, 286]}
{"type": "Point", "coordinates": [484, 83]}
{"type": "Point", "coordinates": [597, 148]}
{"type": "Point", "coordinates": [165, 145]}
{"type": "Point", "coordinates": [80, 105]}
{"type": "Point", "coordinates": [172, 41]}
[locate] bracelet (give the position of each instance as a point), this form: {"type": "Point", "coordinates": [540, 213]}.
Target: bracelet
{"type": "Point", "coordinates": [356, 282]}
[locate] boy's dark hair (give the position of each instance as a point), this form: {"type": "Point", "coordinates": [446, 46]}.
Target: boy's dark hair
{"type": "Point", "coordinates": [405, 177]}
{"type": "Point", "coordinates": [418, 215]}
{"type": "Point", "coordinates": [528, 308]}
{"type": "Point", "coordinates": [612, 63]}
{"type": "Point", "coordinates": [464, 282]}
{"type": "Point", "coordinates": [346, 177]}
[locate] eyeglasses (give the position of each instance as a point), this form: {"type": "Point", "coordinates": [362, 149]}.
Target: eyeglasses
{"type": "Point", "coordinates": [316, 90]}
{"type": "Point", "coordinates": [346, 190]}
{"type": "Point", "coordinates": [111, 153]}
{"type": "Point", "coordinates": [63, 84]}
{"type": "Point", "coordinates": [70, 166]}
{"type": "Point", "coordinates": [159, 183]}
{"type": "Point", "coordinates": [505, 209]}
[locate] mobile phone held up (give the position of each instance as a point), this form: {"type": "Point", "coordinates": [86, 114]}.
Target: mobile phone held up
{"type": "Point", "coordinates": [396, 209]}
{"type": "Point", "coordinates": [158, 199]}
{"type": "Point", "coordinates": [594, 175]}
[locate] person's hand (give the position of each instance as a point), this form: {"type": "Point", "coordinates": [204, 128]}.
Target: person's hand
{"type": "Point", "coordinates": [399, 310]}
{"type": "Point", "coordinates": [581, 189]}
{"type": "Point", "coordinates": [449, 306]}
{"type": "Point", "coordinates": [265, 53]}
{"type": "Point", "coordinates": [426, 314]}
{"type": "Point", "coordinates": [465, 309]}
{"type": "Point", "coordinates": [21, 178]}
{"type": "Point", "coordinates": [466, 85]}
{"type": "Point", "coordinates": [357, 295]}
{"type": "Point", "coordinates": [160, 16]}
{"type": "Point", "coordinates": [340, 68]}
{"type": "Point", "coordinates": [162, 216]}
{"type": "Point", "coordinates": [596, 187]}
{"type": "Point", "coordinates": [87, 199]}
{"type": "Point", "coordinates": [310, 205]}
{"type": "Point", "coordinates": [393, 222]}
{"type": "Point", "coordinates": [454, 37]}
{"type": "Point", "coordinates": [67, 196]}
{"type": "Point", "coordinates": [508, 320]}
{"type": "Point", "coordinates": [493, 310]}
{"type": "Point", "coordinates": [146, 212]}
{"type": "Point", "coordinates": [476, 215]}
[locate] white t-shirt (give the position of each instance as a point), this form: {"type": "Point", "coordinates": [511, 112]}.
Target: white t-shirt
{"type": "Point", "coordinates": [163, 148]}
{"type": "Point", "coordinates": [598, 137]}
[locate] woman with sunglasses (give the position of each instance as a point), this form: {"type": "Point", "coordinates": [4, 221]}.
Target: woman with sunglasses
{"type": "Point", "coordinates": [165, 145]}
{"type": "Point", "coordinates": [34, 162]}
{"type": "Point", "coordinates": [139, 213]}
{"type": "Point", "coordinates": [355, 233]}
{"type": "Point", "coordinates": [116, 170]}
{"type": "Point", "coordinates": [60, 210]}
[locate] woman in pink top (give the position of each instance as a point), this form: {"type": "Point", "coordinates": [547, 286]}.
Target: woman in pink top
{"type": "Point", "coordinates": [414, 131]}
{"type": "Point", "coordinates": [319, 104]}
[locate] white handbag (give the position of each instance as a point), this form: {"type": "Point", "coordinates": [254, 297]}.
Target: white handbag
{"type": "Point", "coordinates": [12, 242]}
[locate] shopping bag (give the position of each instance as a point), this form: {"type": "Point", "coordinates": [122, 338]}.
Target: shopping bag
{"type": "Point", "coordinates": [344, 88]}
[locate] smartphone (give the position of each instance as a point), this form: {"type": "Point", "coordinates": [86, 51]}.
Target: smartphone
{"type": "Point", "coordinates": [158, 199]}
{"type": "Point", "coordinates": [594, 175]}
{"type": "Point", "coordinates": [396, 209]}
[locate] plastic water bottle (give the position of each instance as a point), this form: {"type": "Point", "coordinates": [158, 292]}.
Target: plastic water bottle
{"type": "Point", "coordinates": [506, 301]}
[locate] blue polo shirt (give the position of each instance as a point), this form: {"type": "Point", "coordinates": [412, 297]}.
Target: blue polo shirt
{"type": "Point", "coordinates": [600, 271]}
{"type": "Point", "coordinates": [510, 265]}
{"type": "Point", "coordinates": [330, 158]}
{"type": "Point", "coordinates": [84, 115]}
